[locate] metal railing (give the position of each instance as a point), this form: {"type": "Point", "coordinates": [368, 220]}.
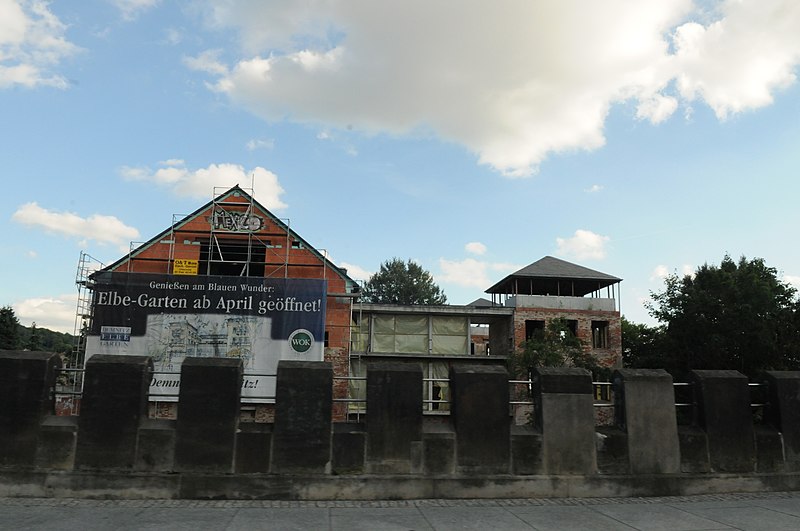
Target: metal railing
{"type": "Point", "coordinates": [69, 390]}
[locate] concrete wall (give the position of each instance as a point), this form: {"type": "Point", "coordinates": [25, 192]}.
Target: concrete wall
{"type": "Point", "coordinates": [474, 452]}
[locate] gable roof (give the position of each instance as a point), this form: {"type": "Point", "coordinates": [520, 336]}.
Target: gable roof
{"type": "Point", "coordinates": [553, 276]}
{"type": "Point", "coordinates": [234, 191]}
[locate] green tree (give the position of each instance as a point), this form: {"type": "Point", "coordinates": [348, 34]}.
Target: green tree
{"type": "Point", "coordinates": [736, 316]}
{"type": "Point", "coordinates": [643, 347]}
{"type": "Point", "coordinates": [9, 329]}
{"type": "Point", "coordinates": [34, 342]}
{"type": "Point", "coordinates": [553, 346]}
{"type": "Point", "coordinates": [400, 282]}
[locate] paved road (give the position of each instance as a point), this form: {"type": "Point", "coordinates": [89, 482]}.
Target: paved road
{"type": "Point", "coordinates": [769, 511]}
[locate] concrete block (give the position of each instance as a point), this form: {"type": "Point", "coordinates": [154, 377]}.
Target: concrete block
{"type": "Point", "coordinates": [694, 450]}
{"type": "Point", "coordinates": [394, 415]}
{"type": "Point", "coordinates": [114, 402]}
{"type": "Point", "coordinates": [526, 451]}
{"type": "Point", "coordinates": [783, 412]}
{"type": "Point", "coordinates": [155, 449]}
{"type": "Point", "coordinates": [723, 401]}
{"type": "Point", "coordinates": [481, 417]}
{"type": "Point", "coordinates": [439, 449]}
{"type": "Point", "coordinates": [26, 380]}
{"type": "Point", "coordinates": [208, 414]}
{"type": "Point", "coordinates": [769, 449]}
{"type": "Point", "coordinates": [301, 441]}
{"type": "Point", "coordinates": [253, 447]}
{"type": "Point", "coordinates": [58, 437]}
{"type": "Point", "coordinates": [645, 405]}
{"type": "Point", "coordinates": [612, 450]}
{"type": "Point", "coordinates": [349, 448]}
{"type": "Point", "coordinates": [563, 398]}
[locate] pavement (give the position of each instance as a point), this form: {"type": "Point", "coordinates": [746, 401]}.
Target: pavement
{"type": "Point", "coordinates": [767, 511]}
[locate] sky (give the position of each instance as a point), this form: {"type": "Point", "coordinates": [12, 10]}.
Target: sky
{"type": "Point", "coordinates": [639, 139]}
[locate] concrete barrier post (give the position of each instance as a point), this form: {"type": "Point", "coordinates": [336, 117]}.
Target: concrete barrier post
{"type": "Point", "coordinates": [301, 441]}
{"type": "Point", "coordinates": [114, 402]}
{"type": "Point", "coordinates": [208, 414]}
{"type": "Point", "coordinates": [481, 417]}
{"type": "Point", "coordinates": [784, 412]}
{"type": "Point", "coordinates": [26, 379]}
{"type": "Point", "coordinates": [723, 402]}
{"type": "Point", "coordinates": [647, 410]}
{"type": "Point", "coordinates": [394, 416]}
{"type": "Point", "coordinates": [563, 398]}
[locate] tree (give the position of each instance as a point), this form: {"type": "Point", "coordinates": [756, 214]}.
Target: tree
{"type": "Point", "coordinates": [553, 346]}
{"type": "Point", "coordinates": [735, 316]}
{"type": "Point", "coordinates": [400, 282]}
{"type": "Point", "coordinates": [642, 345]}
{"type": "Point", "coordinates": [34, 342]}
{"type": "Point", "coordinates": [9, 329]}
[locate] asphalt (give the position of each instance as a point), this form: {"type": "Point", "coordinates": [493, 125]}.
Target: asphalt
{"type": "Point", "coordinates": [767, 511]}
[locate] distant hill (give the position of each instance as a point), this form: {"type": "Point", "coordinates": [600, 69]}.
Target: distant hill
{"type": "Point", "coordinates": [47, 340]}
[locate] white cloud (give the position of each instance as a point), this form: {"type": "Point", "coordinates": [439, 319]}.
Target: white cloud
{"type": "Point", "coordinates": [470, 272]}
{"type": "Point", "coordinates": [97, 227]}
{"type": "Point", "coordinates": [355, 272]}
{"type": "Point", "coordinates": [207, 62]}
{"type": "Point", "coordinates": [593, 189]}
{"type": "Point", "coordinates": [54, 313]}
{"type": "Point", "coordinates": [794, 280]}
{"type": "Point", "coordinates": [133, 8]}
{"type": "Point", "coordinates": [660, 272]}
{"type": "Point", "coordinates": [475, 248]}
{"type": "Point", "coordinates": [201, 183]}
{"type": "Point", "coordinates": [258, 143]}
{"type": "Point", "coordinates": [584, 245]}
{"type": "Point", "coordinates": [31, 43]}
{"type": "Point", "coordinates": [512, 81]}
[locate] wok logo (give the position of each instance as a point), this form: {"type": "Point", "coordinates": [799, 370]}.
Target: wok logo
{"type": "Point", "coordinates": [301, 341]}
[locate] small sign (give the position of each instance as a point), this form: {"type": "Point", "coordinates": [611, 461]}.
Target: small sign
{"type": "Point", "coordinates": [183, 266]}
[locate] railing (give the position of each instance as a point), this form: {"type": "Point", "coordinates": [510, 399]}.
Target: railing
{"type": "Point", "coordinates": [355, 413]}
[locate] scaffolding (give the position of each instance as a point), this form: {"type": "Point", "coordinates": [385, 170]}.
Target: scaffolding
{"type": "Point", "coordinates": [70, 382]}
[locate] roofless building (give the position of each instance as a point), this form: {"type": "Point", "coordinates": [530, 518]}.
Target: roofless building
{"type": "Point", "coordinates": [233, 280]}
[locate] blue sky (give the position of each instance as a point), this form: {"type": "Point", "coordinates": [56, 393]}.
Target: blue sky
{"type": "Point", "coordinates": [635, 138]}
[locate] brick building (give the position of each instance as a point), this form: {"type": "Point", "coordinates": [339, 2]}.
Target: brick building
{"type": "Point", "coordinates": [235, 236]}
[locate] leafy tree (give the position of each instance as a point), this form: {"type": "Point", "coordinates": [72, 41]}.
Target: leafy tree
{"type": "Point", "coordinates": [400, 282]}
{"type": "Point", "coordinates": [9, 329]}
{"type": "Point", "coordinates": [553, 346]}
{"type": "Point", "coordinates": [643, 347]}
{"type": "Point", "coordinates": [735, 316]}
{"type": "Point", "coordinates": [34, 342]}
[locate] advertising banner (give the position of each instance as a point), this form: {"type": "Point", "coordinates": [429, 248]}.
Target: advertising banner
{"type": "Point", "coordinates": [171, 317]}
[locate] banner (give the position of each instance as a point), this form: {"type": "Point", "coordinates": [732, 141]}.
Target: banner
{"type": "Point", "coordinates": [171, 317]}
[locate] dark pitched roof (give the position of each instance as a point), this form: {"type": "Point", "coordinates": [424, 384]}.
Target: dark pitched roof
{"type": "Point", "coordinates": [549, 275]}
{"type": "Point", "coordinates": [236, 190]}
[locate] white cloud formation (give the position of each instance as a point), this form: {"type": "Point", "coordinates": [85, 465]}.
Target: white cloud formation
{"type": "Point", "coordinates": [594, 189]}
{"type": "Point", "coordinates": [471, 272]}
{"type": "Point", "coordinates": [660, 272]}
{"type": "Point", "coordinates": [133, 8]}
{"type": "Point", "coordinates": [794, 280]}
{"type": "Point", "coordinates": [100, 228]}
{"type": "Point", "coordinates": [32, 42]}
{"type": "Point", "coordinates": [512, 81]}
{"type": "Point", "coordinates": [201, 183]}
{"type": "Point", "coordinates": [54, 313]}
{"type": "Point", "coordinates": [260, 143]}
{"type": "Point", "coordinates": [356, 272]}
{"type": "Point", "coordinates": [475, 248]}
{"type": "Point", "coordinates": [584, 245]}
